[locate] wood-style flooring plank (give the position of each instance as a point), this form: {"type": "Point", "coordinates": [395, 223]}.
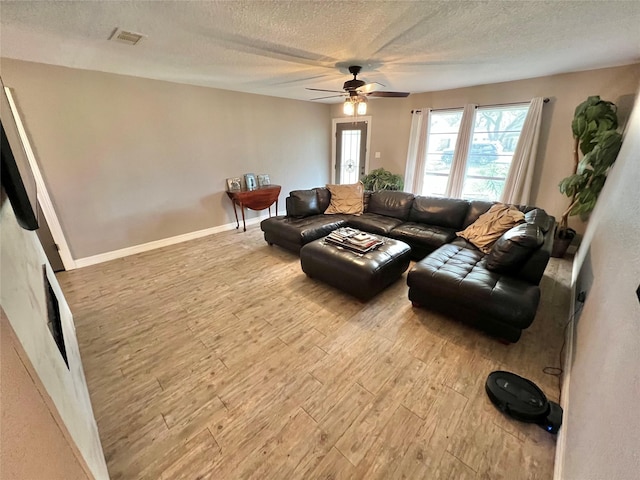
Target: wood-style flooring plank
{"type": "Point", "coordinates": [333, 466]}
{"type": "Point", "coordinates": [387, 452]}
{"type": "Point", "coordinates": [362, 434]}
{"type": "Point", "coordinates": [218, 358]}
{"type": "Point", "coordinates": [450, 468]}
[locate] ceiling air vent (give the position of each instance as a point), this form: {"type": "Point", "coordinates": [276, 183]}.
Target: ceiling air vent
{"type": "Point", "coordinates": [130, 38]}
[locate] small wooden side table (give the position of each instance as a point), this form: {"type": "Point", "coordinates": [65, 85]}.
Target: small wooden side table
{"type": "Point", "coordinates": [259, 198]}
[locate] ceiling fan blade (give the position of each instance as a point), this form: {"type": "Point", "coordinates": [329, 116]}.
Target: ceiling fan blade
{"type": "Point", "coordinates": [388, 94]}
{"type": "Point", "coordinates": [358, 87]}
{"type": "Point", "coordinates": [370, 87]}
{"type": "Point", "coordinates": [323, 90]}
{"type": "Point", "coordinates": [330, 96]}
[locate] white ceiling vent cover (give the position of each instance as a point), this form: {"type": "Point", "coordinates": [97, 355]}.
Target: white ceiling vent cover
{"type": "Point", "coordinates": [122, 36]}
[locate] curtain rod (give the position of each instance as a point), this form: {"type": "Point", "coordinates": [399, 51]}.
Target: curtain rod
{"type": "Point", "coordinates": [545, 100]}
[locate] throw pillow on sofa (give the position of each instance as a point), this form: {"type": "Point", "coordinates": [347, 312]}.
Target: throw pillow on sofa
{"type": "Point", "coordinates": [491, 225]}
{"type": "Point", "coordinates": [540, 218]}
{"type": "Point", "coordinates": [303, 203]}
{"type": "Point", "coordinates": [346, 199]}
{"type": "Point", "coordinates": [513, 248]}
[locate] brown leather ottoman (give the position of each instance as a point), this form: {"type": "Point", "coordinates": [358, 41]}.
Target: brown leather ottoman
{"type": "Point", "coordinates": [362, 276]}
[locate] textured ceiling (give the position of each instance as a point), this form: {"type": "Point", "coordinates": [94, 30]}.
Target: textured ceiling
{"type": "Point", "coordinates": [280, 47]}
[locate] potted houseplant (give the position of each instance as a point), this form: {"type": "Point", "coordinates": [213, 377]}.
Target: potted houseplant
{"type": "Point", "coordinates": [381, 179]}
{"type": "Point", "coordinates": [595, 134]}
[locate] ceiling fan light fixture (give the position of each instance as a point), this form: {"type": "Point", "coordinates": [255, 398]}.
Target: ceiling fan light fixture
{"type": "Point", "coordinates": [362, 106]}
{"type": "Point", "coordinates": [355, 105]}
{"type": "Point", "coordinates": [349, 107]}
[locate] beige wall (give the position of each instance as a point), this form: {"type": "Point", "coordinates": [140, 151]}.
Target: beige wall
{"type": "Point", "coordinates": [600, 437]}
{"type": "Point", "coordinates": [391, 121]}
{"type": "Point", "coordinates": [128, 160]}
{"type": "Point", "coordinates": [22, 296]}
{"type": "Point", "coordinates": [32, 444]}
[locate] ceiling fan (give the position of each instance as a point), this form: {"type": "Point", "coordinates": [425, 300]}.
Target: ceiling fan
{"type": "Point", "coordinates": [357, 92]}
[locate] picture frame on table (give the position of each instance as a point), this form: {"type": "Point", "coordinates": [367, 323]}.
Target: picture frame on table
{"type": "Point", "coordinates": [234, 184]}
{"type": "Point", "coordinates": [250, 180]}
{"type": "Point", "coordinates": [263, 180]}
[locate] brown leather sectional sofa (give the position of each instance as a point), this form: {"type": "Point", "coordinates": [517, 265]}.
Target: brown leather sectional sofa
{"type": "Point", "coordinates": [498, 291]}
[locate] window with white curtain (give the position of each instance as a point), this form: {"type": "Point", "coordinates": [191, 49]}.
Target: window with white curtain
{"type": "Point", "coordinates": [493, 139]}
{"type": "Point", "coordinates": [444, 126]}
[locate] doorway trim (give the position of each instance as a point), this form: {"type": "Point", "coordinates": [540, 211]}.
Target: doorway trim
{"type": "Point", "coordinates": [334, 123]}
{"type": "Point", "coordinates": [42, 192]}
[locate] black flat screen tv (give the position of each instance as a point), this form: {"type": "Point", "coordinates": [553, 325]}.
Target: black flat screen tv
{"type": "Point", "coordinates": [16, 175]}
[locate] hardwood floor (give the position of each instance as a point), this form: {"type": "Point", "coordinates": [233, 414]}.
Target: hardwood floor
{"type": "Point", "coordinates": [218, 358]}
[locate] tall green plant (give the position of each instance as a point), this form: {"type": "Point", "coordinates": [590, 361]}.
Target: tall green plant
{"type": "Point", "coordinates": [595, 136]}
{"type": "Point", "coordinates": [381, 179]}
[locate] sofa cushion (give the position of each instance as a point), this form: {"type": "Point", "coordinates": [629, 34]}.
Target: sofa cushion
{"type": "Point", "coordinates": [391, 204]}
{"type": "Point", "coordinates": [476, 208]}
{"type": "Point", "coordinates": [373, 223]}
{"type": "Point", "coordinates": [464, 243]}
{"type": "Point", "coordinates": [443, 212]}
{"type": "Point", "coordinates": [491, 225]}
{"type": "Point", "coordinates": [300, 231]}
{"type": "Point", "coordinates": [324, 198]}
{"type": "Point", "coordinates": [513, 248]}
{"type": "Point", "coordinates": [457, 276]}
{"type": "Point", "coordinates": [540, 218]}
{"type": "Point", "coordinates": [302, 203]}
{"type": "Point", "coordinates": [431, 236]}
{"type": "Point", "coordinates": [346, 199]}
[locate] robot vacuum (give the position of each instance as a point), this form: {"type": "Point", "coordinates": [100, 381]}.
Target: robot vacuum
{"type": "Point", "coordinates": [523, 400]}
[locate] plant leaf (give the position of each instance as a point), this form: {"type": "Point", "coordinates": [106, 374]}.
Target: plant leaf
{"type": "Point", "coordinates": [578, 126]}
{"type": "Point", "coordinates": [584, 163]}
{"type": "Point", "coordinates": [594, 126]}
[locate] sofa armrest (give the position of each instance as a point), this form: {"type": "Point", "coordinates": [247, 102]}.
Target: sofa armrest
{"type": "Point", "coordinates": [534, 267]}
{"type": "Point", "coordinates": [288, 206]}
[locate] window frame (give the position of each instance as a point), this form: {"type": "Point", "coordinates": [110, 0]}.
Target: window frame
{"type": "Point", "coordinates": [466, 164]}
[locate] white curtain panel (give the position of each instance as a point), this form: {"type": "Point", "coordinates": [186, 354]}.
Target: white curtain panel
{"type": "Point", "coordinates": [517, 188]}
{"type": "Point", "coordinates": [459, 164]}
{"type": "Point", "coordinates": [416, 156]}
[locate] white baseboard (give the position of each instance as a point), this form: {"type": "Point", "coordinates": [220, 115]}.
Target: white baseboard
{"type": "Point", "coordinates": [558, 467]}
{"type": "Point", "coordinates": [165, 242]}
